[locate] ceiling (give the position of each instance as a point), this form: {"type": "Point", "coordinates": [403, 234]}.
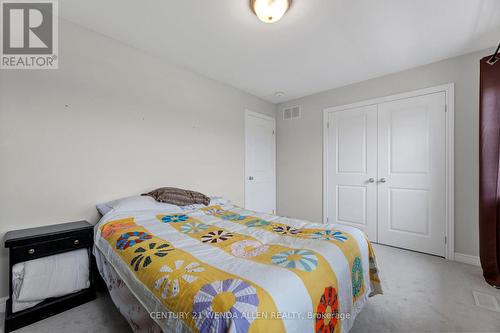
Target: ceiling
{"type": "Point", "coordinates": [318, 45]}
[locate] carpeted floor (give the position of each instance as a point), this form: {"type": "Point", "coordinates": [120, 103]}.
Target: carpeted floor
{"type": "Point", "coordinates": [97, 316]}
{"type": "Point", "coordinates": [422, 293]}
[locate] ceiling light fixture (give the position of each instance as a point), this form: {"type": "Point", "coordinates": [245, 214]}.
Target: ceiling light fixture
{"type": "Point", "coordinates": [270, 11]}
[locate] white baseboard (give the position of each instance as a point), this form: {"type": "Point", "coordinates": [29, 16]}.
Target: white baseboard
{"type": "Point", "coordinates": [3, 301]}
{"type": "Point", "coordinates": [467, 259]}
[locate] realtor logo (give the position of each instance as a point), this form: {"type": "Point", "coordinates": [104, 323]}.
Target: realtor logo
{"type": "Point", "coordinates": [29, 34]}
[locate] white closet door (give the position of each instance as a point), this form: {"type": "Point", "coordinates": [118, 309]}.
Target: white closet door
{"type": "Point", "coordinates": [411, 173]}
{"type": "Point", "coordinates": [352, 188]}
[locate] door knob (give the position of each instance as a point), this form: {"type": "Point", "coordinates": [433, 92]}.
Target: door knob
{"type": "Point", "coordinates": [382, 180]}
{"type": "Point", "coordinates": [250, 178]}
{"type": "Point", "coordinates": [371, 180]}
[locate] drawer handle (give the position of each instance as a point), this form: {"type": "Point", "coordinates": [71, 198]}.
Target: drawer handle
{"type": "Point", "coordinates": [76, 242]}
{"type": "Point", "coordinates": [31, 251]}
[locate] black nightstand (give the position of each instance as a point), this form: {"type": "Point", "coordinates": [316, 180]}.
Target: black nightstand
{"type": "Point", "coordinates": [33, 243]}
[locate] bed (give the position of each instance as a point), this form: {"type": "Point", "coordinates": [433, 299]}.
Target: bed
{"type": "Point", "coordinates": [222, 268]}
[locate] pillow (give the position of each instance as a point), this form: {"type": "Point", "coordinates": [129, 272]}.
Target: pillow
{"type": "Point", "coordinates": [54, 276]}
{"type": "Point", "coordinates": [133, 203]}
{"type": "Point", "coordinates": [177, 196]}
{"type": "Point", "coordinates": [219, 201]}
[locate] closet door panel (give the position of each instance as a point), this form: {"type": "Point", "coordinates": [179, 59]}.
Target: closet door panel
{"type": "Point", "coordinates": [352, 154]}
{"type": "Point", "coordinates": [411, 173]}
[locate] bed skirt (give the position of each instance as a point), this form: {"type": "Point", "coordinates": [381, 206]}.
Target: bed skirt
{"type": "Point", "coordinates": [129, 306]}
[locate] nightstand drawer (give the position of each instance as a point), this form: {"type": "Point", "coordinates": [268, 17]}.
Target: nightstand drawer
{"type": "Point", "coordinates": [47, 248]}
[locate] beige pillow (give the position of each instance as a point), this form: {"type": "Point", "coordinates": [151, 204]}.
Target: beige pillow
{"type": "Point", "coordinates": [179, 197]}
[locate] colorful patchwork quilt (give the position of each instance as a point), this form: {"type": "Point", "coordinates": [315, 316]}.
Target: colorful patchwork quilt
{"type": "Point", "coordinates": [222, 268]}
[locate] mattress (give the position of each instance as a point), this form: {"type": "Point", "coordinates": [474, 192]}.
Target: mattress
{"type": "Point", "coordinates": [223, 268]}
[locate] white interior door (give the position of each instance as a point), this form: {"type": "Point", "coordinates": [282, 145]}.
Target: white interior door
{"type": "Point", "coordinates": [352, 154]}
{"type": "Point", "coordinates": [260, 159]}
{"type": "Point", "coordinates": [411, 173]}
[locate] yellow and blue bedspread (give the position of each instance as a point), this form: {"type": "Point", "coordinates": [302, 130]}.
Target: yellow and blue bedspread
{"type": "Point", "coordinates": [226, 269]}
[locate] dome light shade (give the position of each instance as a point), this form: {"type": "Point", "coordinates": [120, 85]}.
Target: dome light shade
{"type": "Point", "coordinates": [270, 11]}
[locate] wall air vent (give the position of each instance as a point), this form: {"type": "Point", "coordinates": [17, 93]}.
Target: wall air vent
{"type": "Point", "coordinates": [291, 112]}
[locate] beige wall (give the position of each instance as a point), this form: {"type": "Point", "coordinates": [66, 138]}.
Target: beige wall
{"type": "Point", "coordinates": [112, 122]}
{"type": "Point", "coordinates": [300, 142]}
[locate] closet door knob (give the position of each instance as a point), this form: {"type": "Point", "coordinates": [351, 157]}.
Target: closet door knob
{"type": "Point", "coordinates": [371, 180]}
{"type": "Point", "coordinates": [382, 180]}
